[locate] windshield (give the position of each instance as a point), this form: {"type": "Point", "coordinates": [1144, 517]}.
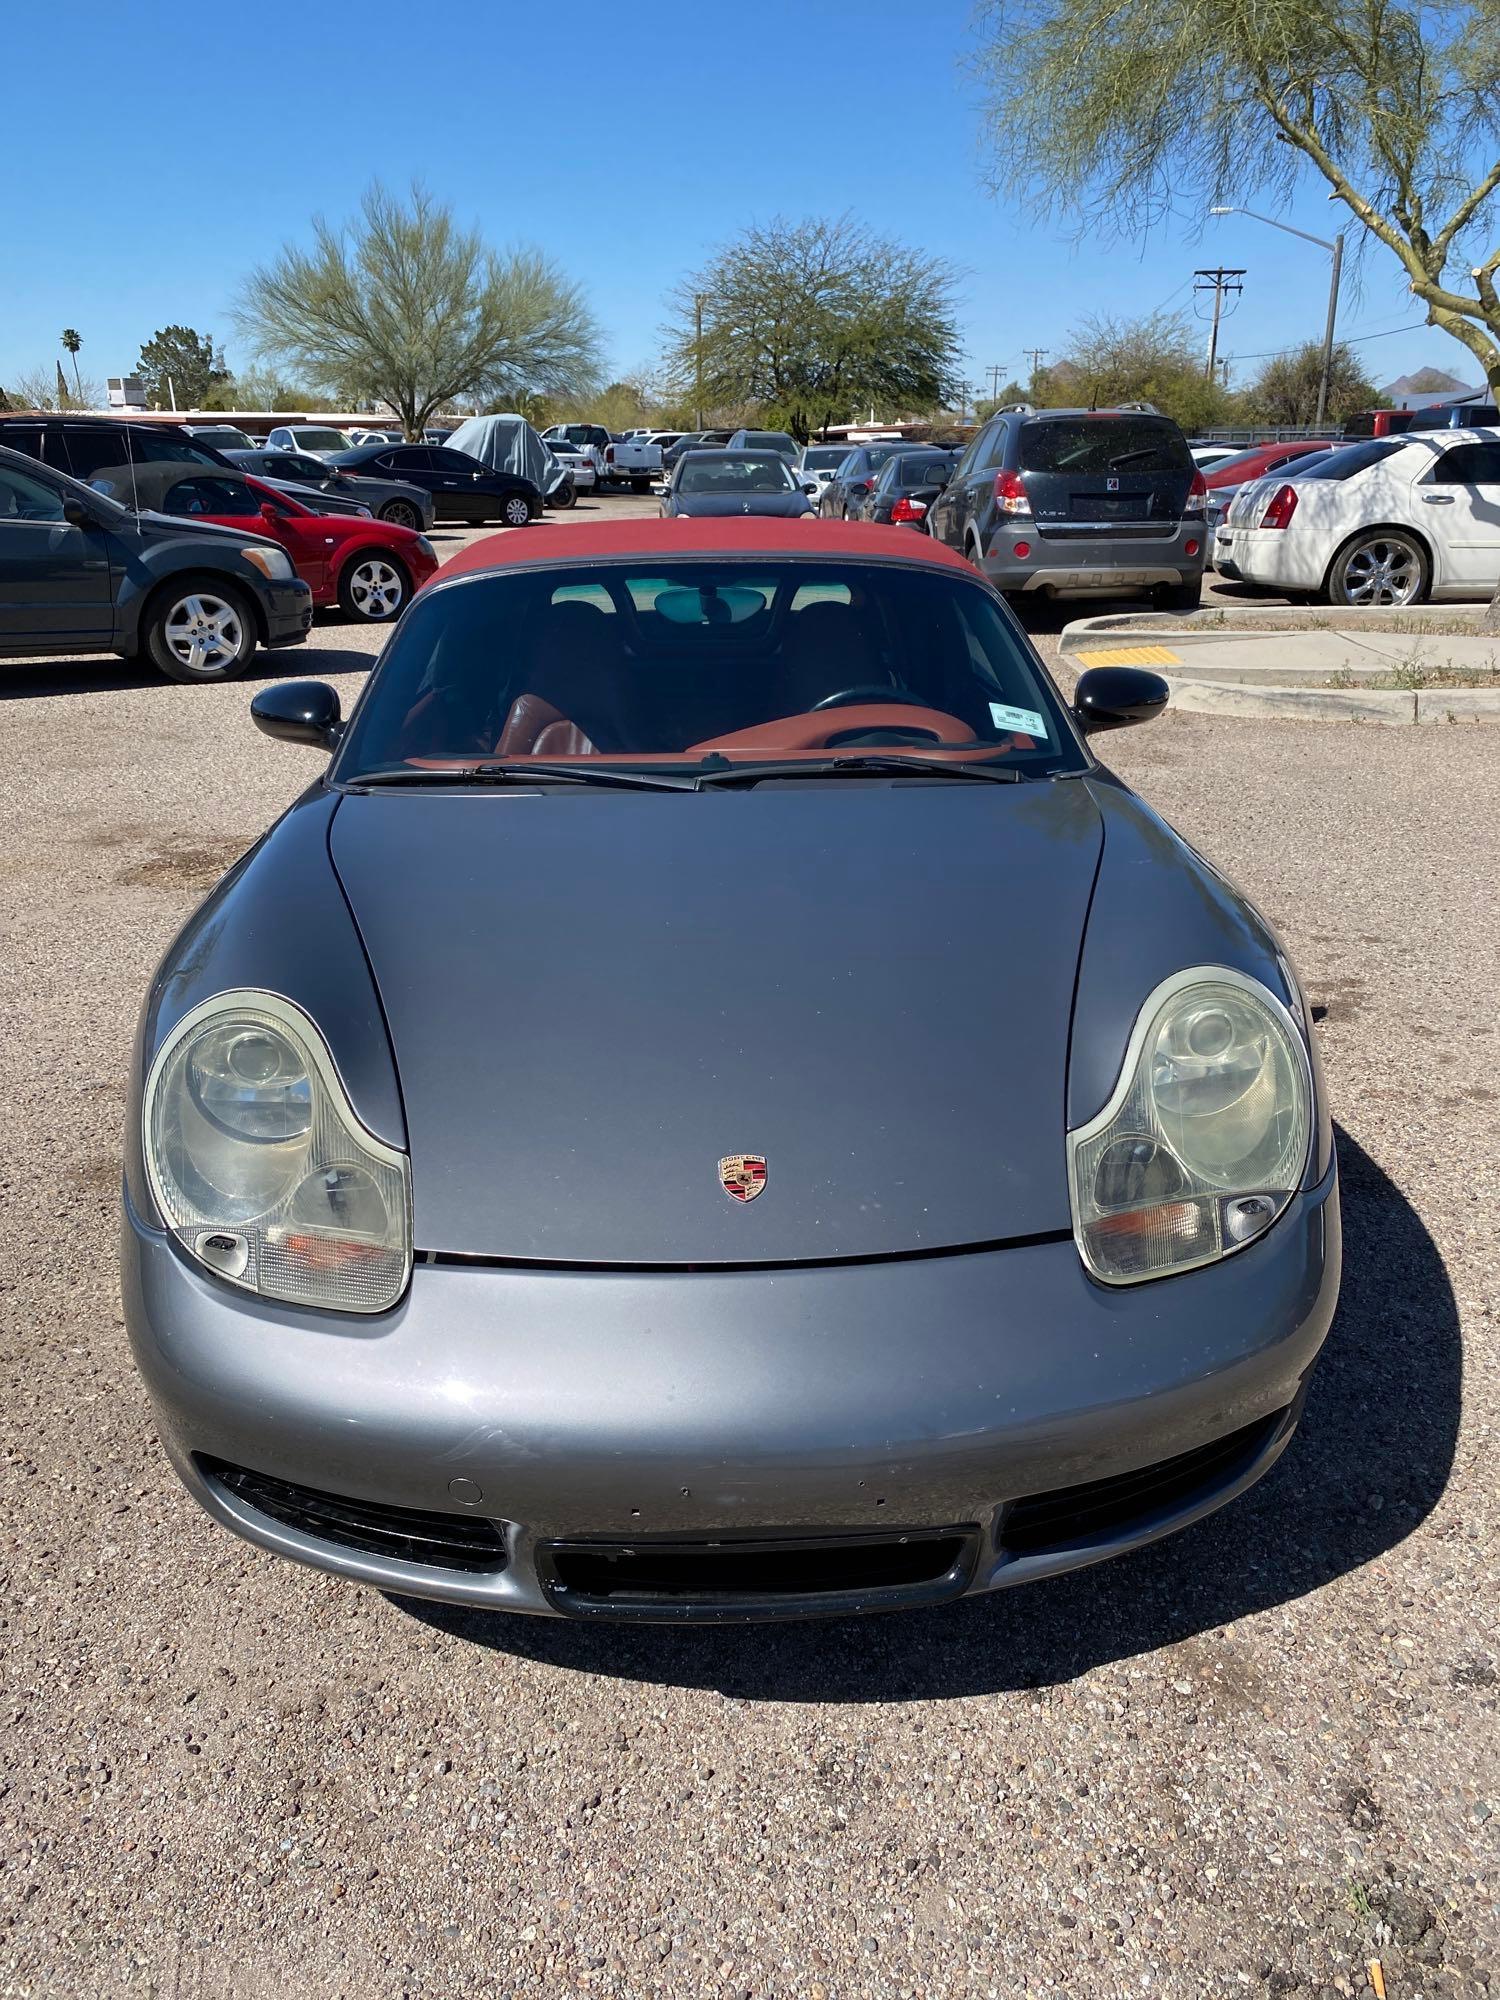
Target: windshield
{"type": "Point", "coordinates": [1344, 464]}
{"type": "Point", "coordinates": [824, 457]}
{"type": "Point", "coordinates": [770, 441]}
{"type": "Point", "coordinates": [753, 661]}
{"type": "Point", "coordinates": [909, 471]}
{"type": "Point", "coordinates": [705, 473]}
{"type": "Point", "coordinates": [1102, 444]}
{"type": "Point", "coordinates": [305, 438]}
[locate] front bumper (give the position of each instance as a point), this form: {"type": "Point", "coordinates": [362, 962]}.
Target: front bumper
{"type": "Point", "coordinates": [1075, 564]}
{"type": "Point", "coordinates": [289, 609]}
{"type": "Point", "coordinates": [706, 1409]}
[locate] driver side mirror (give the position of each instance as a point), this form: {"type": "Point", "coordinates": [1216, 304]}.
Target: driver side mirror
{"type": "Point", "coordinates": [1116, 697]}
{"type": "Point", "coordinates": [76, 514]}
{"type": "Point", "coordinates": [809, 486]}
{"type": "Point", "coordinates": [299, 712]}
{"type": "Point", "coordinates": [268, 512]}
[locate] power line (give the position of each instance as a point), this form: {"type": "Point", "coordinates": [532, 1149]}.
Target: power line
{"type": "Point", "coordinates": [1271, 353]}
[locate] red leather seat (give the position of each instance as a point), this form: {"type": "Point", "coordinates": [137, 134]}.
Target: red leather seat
{"type": "Point", "coordinates": [574, 696]}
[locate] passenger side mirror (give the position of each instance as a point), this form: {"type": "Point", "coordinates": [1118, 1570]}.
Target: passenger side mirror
{"type": "Point", "coordinates": [809, 486]}
{"type": "Point", "coordinates": [1116, 697]}
{"type": "Point", "coordinates": [299, 712]}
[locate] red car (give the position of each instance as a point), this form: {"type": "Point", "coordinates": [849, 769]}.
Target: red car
{"type": "Point", "coordinates": [1259, 459]}
{"type": "Point", "coordinates": [368, 568]}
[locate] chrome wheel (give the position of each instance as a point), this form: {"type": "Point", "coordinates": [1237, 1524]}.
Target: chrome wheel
{"type": "Point", "coordinates": [204, 634]}
{"type": "Point", "coordinates": [516, 513]}
{"type": "Point", "coordinates": [401, 514]}
{"type": "Point", "coordinates": [1386, 569]}
{"type": "Point", "coordinates": [375, 589]}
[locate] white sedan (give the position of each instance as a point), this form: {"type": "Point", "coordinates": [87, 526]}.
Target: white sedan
{"type": "Point", "coordinates": [1385, 521]}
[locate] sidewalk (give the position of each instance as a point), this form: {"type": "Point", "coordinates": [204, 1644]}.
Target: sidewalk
{"type": "Point", "coordinates": [1330, 674]}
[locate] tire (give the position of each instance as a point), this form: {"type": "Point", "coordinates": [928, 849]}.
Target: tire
{"type": "Point", "coordinates": [516, 513]}
{"type": "Point", "coordinates": [205, 616]}
{"type": "Point", "coordinates": [567, 496]}
{"type": "Point", "coordinates": [1385, 566]}
{"type": "Point", "coordinates": [1181, 596]}
{"type": "Point", "coordinates": [374, 587]}
{"type": "Point", "coordinates": [402, 514]}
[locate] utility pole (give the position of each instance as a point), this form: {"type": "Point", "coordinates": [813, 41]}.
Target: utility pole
{"type": "Point", "coordinates": [993, 371]}
{"type": "Point", "coordinates": [1326, 374]}
{"type": "Point", "coordinates": [1221, 282]}
{"type": "Point", "coordinates": [1037, 354]}
{"type": "Point", "coordinates": [698, 360]}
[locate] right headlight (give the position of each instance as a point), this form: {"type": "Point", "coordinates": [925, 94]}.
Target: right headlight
{"type": "Point", "coordinates": [260, 1167]}
{"type": "Point", "coordinates": [1205, 1137]}
{"type": "Point", "coordinates": [274, 564]}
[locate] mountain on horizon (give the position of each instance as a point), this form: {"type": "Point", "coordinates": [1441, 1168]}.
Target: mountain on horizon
{"type": "Point", "coordinates": [1426, 382]}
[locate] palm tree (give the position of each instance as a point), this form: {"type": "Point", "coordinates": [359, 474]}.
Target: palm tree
{"type": "Point", "coordinates": [73, 340]}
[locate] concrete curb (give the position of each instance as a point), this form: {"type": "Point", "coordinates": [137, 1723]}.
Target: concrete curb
{"type": "Point", "coordinates": [1279, 682]}
{"type": "Point", "coordinates": [1267, 620]}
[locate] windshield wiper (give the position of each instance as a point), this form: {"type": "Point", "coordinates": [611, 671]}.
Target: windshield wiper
{"type": "Point", "coordinates": [1127, 457]}
{"type": "Point", "coordinates": [839, 767]}
{"type": "Point", "coordinates": [523, 772]}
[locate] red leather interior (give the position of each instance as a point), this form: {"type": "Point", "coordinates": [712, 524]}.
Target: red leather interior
{"type": "Point", "coordinates": [812, 732]}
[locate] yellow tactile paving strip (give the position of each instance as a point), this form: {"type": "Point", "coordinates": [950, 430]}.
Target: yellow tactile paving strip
{"type": "Point", "coordinates": [1129, 656]}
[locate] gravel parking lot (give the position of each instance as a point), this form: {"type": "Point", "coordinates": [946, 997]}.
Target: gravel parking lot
{"type": "Point", "coordinates": [1254, 1758]}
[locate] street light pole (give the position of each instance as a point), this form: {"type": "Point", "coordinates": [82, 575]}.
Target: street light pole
{"type": "Point", "coordinates": [1333, 313]}
{"type": "Point", "coordinates": [1336, 251]}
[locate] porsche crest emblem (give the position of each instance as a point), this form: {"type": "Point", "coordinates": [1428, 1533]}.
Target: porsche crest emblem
{"type": "Point", "coordinates": [743, 1175]}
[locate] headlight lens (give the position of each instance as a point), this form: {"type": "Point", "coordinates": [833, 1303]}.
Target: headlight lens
{"type": "Point", "coordinates": [1205, 1138]}
{"type": "Point", "coordinates": [275, 565]}
{"type": "Point", "coordinates": [260, 1167]}
{"type": "Point", "coordinates": [426, 547]}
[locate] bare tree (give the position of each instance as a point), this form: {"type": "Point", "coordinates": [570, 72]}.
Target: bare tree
{"type": "Point", "coordinates": [407, 309]}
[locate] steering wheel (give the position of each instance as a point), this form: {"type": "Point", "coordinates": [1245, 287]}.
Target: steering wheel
{"type": "Point", "coordinates": [850, 697]}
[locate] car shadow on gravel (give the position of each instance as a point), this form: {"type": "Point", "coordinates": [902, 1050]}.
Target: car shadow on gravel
{"type": "Point", "coordinates": [1369, 1463]}
{"type": "Point", "coordinates": [29, 680]}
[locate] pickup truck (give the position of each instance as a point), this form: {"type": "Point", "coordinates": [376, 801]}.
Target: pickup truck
{"type": "Point", "coordinates": [637, 459]}
{"type": "Point", "coordinates": [588, 440]}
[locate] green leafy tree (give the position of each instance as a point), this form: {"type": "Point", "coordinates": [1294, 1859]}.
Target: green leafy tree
{"type": "Point", "coordinates": [187, 361]}
{"type": "Point", "coordinates": [405, 308]}
{"type": "Point", "coordinates": [1286, 390]}
{"type": "Point", "coordinates": [1155, 359]}
{"type": "Point", "coordinates": [806, 323]}
{"type": "Point", "coordinates": [1001, 400]}
{"type": "Point", "coordinates": [72, 340]}
{"type": "Point", "coordinates": [1116, 110]}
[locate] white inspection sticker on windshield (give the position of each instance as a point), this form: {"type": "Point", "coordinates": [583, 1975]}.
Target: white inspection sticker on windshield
{"type": "Point", "coordinates": [1026, 720]}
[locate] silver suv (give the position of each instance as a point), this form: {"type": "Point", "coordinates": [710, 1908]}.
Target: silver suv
{"type": "Point", "coordinates": [1074, 501]}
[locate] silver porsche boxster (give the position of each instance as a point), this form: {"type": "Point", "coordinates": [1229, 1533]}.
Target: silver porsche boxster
{"type": "Point", "coordinates": [715, 1104]}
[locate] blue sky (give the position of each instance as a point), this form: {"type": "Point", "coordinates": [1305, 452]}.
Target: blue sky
{"type": "Point", "coordinates": [132, 217]}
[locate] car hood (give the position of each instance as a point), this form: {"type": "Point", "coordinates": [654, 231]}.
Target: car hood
{"type": "Point", "coordinates": [178, 526]}
{"type": "Point", "coordinates": [593, 998]}
{"type": "Point", "coordinates": [764, 506]}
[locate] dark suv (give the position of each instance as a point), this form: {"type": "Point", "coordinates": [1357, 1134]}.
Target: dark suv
{"type": "Point", "coordinates": [1069, 501]}
{"type": "Point", "coordinates": [81, 574]}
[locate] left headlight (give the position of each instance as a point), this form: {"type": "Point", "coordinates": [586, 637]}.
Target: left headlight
{"type": "Point", "coordinates": [1205, 1138]}
{"type": "Point", "coordinates": [426, 547]}
{"type": "Point", "coordinates": [260, 1166]}
{"type": "Point", "coordinates": [275, 565]}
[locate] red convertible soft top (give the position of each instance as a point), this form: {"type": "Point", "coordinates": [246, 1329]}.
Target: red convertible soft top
{"type": "Point", "coordinates": [607, 540]}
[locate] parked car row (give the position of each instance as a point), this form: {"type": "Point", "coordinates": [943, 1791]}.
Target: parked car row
{"type": "Point", "coordinates": [1385, 521]}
